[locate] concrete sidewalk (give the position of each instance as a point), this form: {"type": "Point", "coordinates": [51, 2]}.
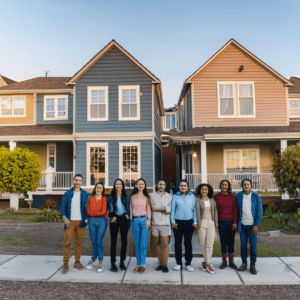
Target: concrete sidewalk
{"type": "Point", "coordinates": [271, 271]}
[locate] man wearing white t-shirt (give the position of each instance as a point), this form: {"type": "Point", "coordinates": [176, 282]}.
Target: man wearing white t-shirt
{"type": "Point", "coordinates": [73, 210]}
{"type": "Point", "coordinates": [249, 217]}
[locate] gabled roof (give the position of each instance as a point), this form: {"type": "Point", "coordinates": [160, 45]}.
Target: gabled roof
{"type": "Point", "coordinates": [102, 52]}
{"type": "Point", "coordinates": [244, 50]}
{"type": "Point", "coordinates": [38, 84]}
{"type": "Point", "coordinates": [295, 89]}
{"type": "Point", "coordinates": [7, 80]}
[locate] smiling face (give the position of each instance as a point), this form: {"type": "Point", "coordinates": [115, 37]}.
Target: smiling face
{"type": "Point", "coordinates": [77, 182]}
{"type": "Point", "coordinates": [246, 187]}
{"type": "Point", "coordinates": [118, 186]}
{"type": "Point", "coordinates": [183, 187]}
{"type": "Point", "coordinates": [140, 185]}
{"type": "Point", "coordinates": [204, 191]}
{"type": "Point", "coordinates": [99, 189]}
{"type": "Point", "coordinates": [224, 187]}
{"type": "Point", "coordinates": [161, 186]}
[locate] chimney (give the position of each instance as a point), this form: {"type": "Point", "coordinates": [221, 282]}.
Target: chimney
{"type": "Point", "coordinates": [46, 73]}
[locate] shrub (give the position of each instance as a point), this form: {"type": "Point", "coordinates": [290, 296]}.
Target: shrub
{"type": "Point", "coordinates": [23, 203]}
{"type": "Point", "coordinates": [50, 203]}
{"type": "Point", "coordinates": [11, 211]}
{"type": "Point", "coordinates": [287, 206]}
{"type": "Point", "coordinates": [49, 216]}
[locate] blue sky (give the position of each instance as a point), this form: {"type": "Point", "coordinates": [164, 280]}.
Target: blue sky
{"type": "Point", "coordinates": [171, 38]}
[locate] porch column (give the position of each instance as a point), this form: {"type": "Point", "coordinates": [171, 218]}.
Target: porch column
{"type": "Point", "coordinates": [283, 146]}
{"type": "Point", "coordinates": [12, 145]}
{"type": "Point", "coordinates": [203, 162]}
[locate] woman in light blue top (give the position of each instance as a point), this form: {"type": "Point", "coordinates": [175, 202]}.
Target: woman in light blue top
{"type": "Point", "coordinates": [184, 221]}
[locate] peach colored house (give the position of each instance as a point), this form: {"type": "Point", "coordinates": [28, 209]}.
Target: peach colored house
{"type": "Point", "coordinates": [233, 116]}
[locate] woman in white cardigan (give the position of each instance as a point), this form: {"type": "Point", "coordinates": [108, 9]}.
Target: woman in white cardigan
{"type": "Point", "coordinates": [207, 216]}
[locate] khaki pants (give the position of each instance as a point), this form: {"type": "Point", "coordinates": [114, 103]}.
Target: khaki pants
{"type": "Point", "coordinates": [69, 234]}
{"type": "Point", "coordinates": [206, 238]}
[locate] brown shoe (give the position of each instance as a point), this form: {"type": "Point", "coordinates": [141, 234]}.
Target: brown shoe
{"type": "Point", "coordinates": [137, 269]}
{"type": "Point", "coordinates": [142, 270]}
{"type": "Point", "coordinates": [78, 265]}
{"type": "Point", "coordinates": [65, 268]}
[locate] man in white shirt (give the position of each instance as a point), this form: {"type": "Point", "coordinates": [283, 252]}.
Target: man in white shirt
{"type": "Point", "coordinates": [249, 217]}
{"type": "Point", "coordinates": [161, 207]}
{"type": "Point", "coordinates": [73, 210]}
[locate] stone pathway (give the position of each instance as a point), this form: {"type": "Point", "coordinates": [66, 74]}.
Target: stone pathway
{"type": "Point", "coordinates": [271, 271]}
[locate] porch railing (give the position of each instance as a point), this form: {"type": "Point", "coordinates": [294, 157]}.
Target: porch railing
{"type": "Point", "coordinates": [58, 180]}
{"type": "Point", "coordinates": [262, 181]}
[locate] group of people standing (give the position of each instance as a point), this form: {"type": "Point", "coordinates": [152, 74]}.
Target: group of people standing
{"type": "Point", "coordinates": [183, 212]}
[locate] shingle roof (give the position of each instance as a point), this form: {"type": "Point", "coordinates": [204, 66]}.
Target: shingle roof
{"type": "Point", "coordinates": [200, 131]}
{"type": "Point", "coordinates": [39, 83]}
{"type": "Point", "coordinates": [295, 89]}
{"type": "Point", "coordinates": [64, 129]}
{"type": "Point", "coordinates": [7, 80]}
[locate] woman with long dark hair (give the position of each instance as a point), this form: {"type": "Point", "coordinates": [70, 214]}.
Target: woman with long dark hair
{"type": "Point", "coordinates": [140, 214]}
{"type": "Point", "coordinates": [228, 216]}
{"type": "Point", "coordinates": [119, 210]}
{"type": "Point", "coordinates": [97, 212]}
{"type": "Point", "coordinates": [207, 216]}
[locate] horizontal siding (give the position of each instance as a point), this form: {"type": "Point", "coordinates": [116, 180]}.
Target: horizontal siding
{"type": "Point", "coordinates": [40, 111]}
{"type": "Point", "coordinates": [189, 109]}
{"type": "Point", "coordinates": [113, 159]}
{"type": "Point", "coordinates": [112, 70]}
{"type": "Point", "coordinates": [270, 94]}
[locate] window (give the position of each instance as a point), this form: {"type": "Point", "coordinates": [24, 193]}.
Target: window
{"type": "Point", "coordinates": [241, 161]}
{"type": "Point", "coordinates": [51, 155]}
{"type": "Point", "coordinates": [97, 163]}
{"type": "Point", "coordinates": [129, 103]}
{"type": "Point", "coordinates": [294, 108]}
{"type": "Point", "coordinates": [236, 99]}
{"type": "Point", "coordinates": [98, 103]}
{"type": "Point", "coordinates": [170, 121]}
{"type": "Point", "coordinates": [12, 106]}
{"type": "Point", "coordinates": [130, 163]}
{"type": "Point", "coordinates": [55, 107]}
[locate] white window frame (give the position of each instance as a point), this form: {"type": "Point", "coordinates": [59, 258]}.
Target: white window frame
{"type": "Point", "coordinates": [55, 97]}
{"type": "Point", "coordinates": [12, 105]}
{"type": "Point", "coordinates": [129, 87]}
{"type": "Point", "coordinates": [165, 122]}
{"type": "Point", "coordinates": [294, 116]}
{"type": "Point", "coordinates": [48, 155]}
{"type": "Point", "coordinates": [241, 148]}
{"type": "Point", "coordinates": [236, 108]}
{"type": "Point", "coordinates": [97, 88]}
{"type": "Point", "coordinates": [88, 162]}
{"type": "Point", "coordinates": [121, 145]}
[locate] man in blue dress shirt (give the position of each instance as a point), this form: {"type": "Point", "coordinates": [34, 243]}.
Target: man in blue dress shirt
{"type": "Point", "coordinates": [184, 221]}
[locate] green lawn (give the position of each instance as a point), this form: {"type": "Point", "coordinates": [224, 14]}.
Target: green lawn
{"type": "Point", "coordinates": [269, 224]}
{"type": "Point", "coordinates": [27, 218]}
{"type": "Point", "coordinates": [17, 240]}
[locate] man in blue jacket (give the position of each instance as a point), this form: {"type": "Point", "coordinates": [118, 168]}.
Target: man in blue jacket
{"type": "Point", "coordinates": [73, 210]}
{"type": "Point", "coordinates": [249, 217]}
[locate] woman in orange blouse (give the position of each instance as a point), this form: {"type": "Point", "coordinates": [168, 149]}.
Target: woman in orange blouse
{"type": "Point", "coordinates": [97, 212]}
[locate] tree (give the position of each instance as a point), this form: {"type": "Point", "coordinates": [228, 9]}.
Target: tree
{"type": "Point", "coordinates": [20, 170]}
{"type": "Point", "coordinates": [286, 170]}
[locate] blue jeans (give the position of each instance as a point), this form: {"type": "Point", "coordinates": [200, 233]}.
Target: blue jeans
{"type": "Point", "coordinates": [140, 239]}
{"type": "Point", "coordinates": [97, 231]}
{"type": "Point", "coordinates": [244, 235]}
{"type": "Point", "coordinates": [226, 237]}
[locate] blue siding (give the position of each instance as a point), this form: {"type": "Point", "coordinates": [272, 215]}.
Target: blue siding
{"type": "Point", "coordinates": [158, 163]}
{"type": "Point", "coordinates": [157, 119]}
{"type": "Point", "coordinates": [189, 109]}
{"type": "Point", "coordinates": [112, 70]}
{"type": "Point", "coordinates": [64, 157]}
{"type": "Point", "coordinates": [113, 159]}
{"type": "Point", "coordinates": [40, 111]}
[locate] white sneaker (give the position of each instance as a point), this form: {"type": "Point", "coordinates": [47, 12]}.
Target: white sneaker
{"type": "Point", "coordinates": [210, 269]}
{"type": "Point", "coordinates": [91, 264]}
{"type": "Point", "coordinates": [100, 269]}
{"type": "Point", "coordinates": [189, 268]}
{"type": "Point", "coordinates": [177, 268]}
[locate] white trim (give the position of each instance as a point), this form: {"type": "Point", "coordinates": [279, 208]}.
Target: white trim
{"type": "Point", "coordinates": [124, 135]}
{"type": "Point", "coordinates": [289, 110]}
{"type": "Point", "coordinates": [12, 107]}
{"type": "Point", "coordinates": [35, 91]}
{"type": "Point", "coordinates": [121, 145]}
{"type": "Point", "coordinates": [35, 108]}
{"type": "Point", "coordinates": [165, 120]}
{"type": "Point", "coordinates": [97, 88]}
{"type": "Point", "coordinates": [203, 151]}
{"type": "Point", "coordinates": [74, 108]}
{"type": "Point", "coordinates": [153, 116]}
{"type": "Point", "coordinates": [88, 161]}
{"type": "Point", "coordinates": [55, 97]}
{"type": "Point", "coordinates": [54, 155]}
{"type": "Point", "coordinates": [236, 102]}
{"type": "Point", "coordinates": [37, 138]}
{"type": "Point", "coordinates": [132, 87]}
{"type": "Point", "coordinates": [240, 148]}
{"type": "Point", "coordinates": [153, 162]}
{"type": "Point", "coordinates": [193, 104]}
